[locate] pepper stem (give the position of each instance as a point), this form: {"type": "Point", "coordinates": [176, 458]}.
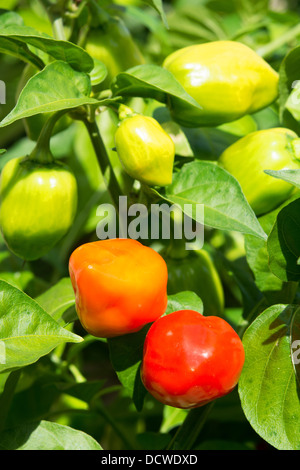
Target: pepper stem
{"type": "Point", "coordinates": [296, 148]}
{"type": "Point", "coordinates": [41, 152]}
{"type": "Point", "coordinates": [125, 112]}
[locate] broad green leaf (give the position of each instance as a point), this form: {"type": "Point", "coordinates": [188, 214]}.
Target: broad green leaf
{"type": "Point", "coordinates": [99, 73]}
{"type": "Point", "coordinates": [71, 90]}
{"type": "Point", "coordinates": [295, 342]}
{"type": "Point", "coordinates": [268, 386]}
{"type": "Point", "coordinates": [45, 435]}
{"type": "Point", "coordinates": [274, 289]}
{"type": "Point", "coordinates": [172, 417]}
{"type": "Point", "coordinates": [20, 51]}
{"type": "Point", "coordinates": [126, 352]}
{"type": "Point", "coordinates": [184, 301]}
{"type": "Point", "coordinates": [151, 81]}
{"type": "Point", "coordinates": [284, 243]}
{"type": "Point", "coordinates": [27, 332]}
{"type": "Point", "coordinates": [293, 101]}
{"type": "Point", "coordinates": [225, 206]}
{"type": "Point", "coordinates": [290, 176]}
{"type": "Point", "coordinates": [58, 300]}
{"type": "Point", "coordinates": [13, 30]}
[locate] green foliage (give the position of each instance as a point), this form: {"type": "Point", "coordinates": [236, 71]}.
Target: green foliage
{"type": "Point", "coordinates": [63, 389]}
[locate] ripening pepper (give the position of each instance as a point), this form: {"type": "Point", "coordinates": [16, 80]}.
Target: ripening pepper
{"type": "Point", "coordinates": [145, 149]}
{"type": "Point", "coordinates": [38, 205]}
{"type": "Point", "coordinates": [226, 78]}
{"type": "Point", "coordinates": [190, 359]}
{"type": "Point", "coordinates": [196, 272]}
{"type": "Point", "coordinates": [270, 149]}
{"type": "Point", "coordinates": [120, 285]}
{"type": "Point", "coordinates": [111, 43]}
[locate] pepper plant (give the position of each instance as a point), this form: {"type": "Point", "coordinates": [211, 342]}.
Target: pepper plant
{"type": "Point", "coordinates": [149, 344]}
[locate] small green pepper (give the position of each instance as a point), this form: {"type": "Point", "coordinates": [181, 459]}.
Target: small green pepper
{"type": "Point", "coordinates": [246, 160]}
{"type": "Point", "coordinates": [38, 198]}
{"type": "Point", "coordinates": [38, 205]}
{"type": "Point", "coordinates": [145, 149]}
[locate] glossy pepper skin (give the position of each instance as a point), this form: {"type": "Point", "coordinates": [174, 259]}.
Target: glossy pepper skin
{"type": "Point", "coordinates": [196, 272]}
{"type": "Point", "coordinates": [120, 285]}
{"type": "Point", "coordinates": [246, 160]}
{"type": "Point", "coordinates": [190, 359]}
{"type": "Point", "coordinates": [145, 150]}
{"type": "Point", "coordinates": [38, 205]}
{"type": "Point", "coordinates": [226, 78]}
{"type": "Point", "coordinates": [112, 44]}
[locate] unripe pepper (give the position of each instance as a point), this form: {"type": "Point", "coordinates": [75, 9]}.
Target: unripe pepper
{"type": "Point", "coordinates": [190, 359]}
{"type": "Point", "coordinates": [246, 160]}
{"type": "Point", "coordinates": [226, 78]}
{"type": "Point", "coordinates": [38, 199]}
{"type": "Point", "coordinates": [196, 272]}
{"type": "Point", "coordinates": [38, 205]}
{"type": "Point", "coordinates": [111, 43]}
{"type": "Point", "coordinates": [120, 285]}
{"type": "Point", "coordinates": [145, 149]}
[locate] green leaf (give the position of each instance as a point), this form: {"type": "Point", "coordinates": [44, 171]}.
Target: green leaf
{"type": "Point", "coordinates": [293, 101]}
{"type": "Point", "coordinates": [274, 289]}
{"type": "Point", "coordinates": [290, 176]}
{"type": "Point", "coordinates": [268, 387]}
{"type": "Point", "coordinates": [20, 51]}
{"type": "Point", "coordinates": [45, 435]}
{"type": "Point", "coordinates": [151, 81]}
{"type": "Point", "coordinates": [158, 6]}
{"type": "Point", "coordinates": [27, 332]}
{"type": "Point", "coordinates": [184, 301]}
{"type": "Point", "coordinates": [126, 352]}
{"type": "Point", "coordinates": [295, 343]}
{"type": "Point", "coordinates": [288, 78]}
{"type": "Point", "coordinates": [225, 206]}
{"type": "Point", "coordinates": [71, 90]}
{"type": "Point", "coordinates": [284, 243]}
{"type": "Point", "coordinates": [59, 300]}
{"type": "Point", "coordinates": [15, 34]}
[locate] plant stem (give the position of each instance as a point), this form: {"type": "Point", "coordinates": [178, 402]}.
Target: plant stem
{"type": "Point", "coordinates": [58, 29]}
{"type": "Point", "coordinates": [190, 429]}
{"type": "Point", "coordinates": [41, 152]}
{"type": "Point", "coordinates": [273, 46]}
{"type": "Point", "coordinates": [104, 162]}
